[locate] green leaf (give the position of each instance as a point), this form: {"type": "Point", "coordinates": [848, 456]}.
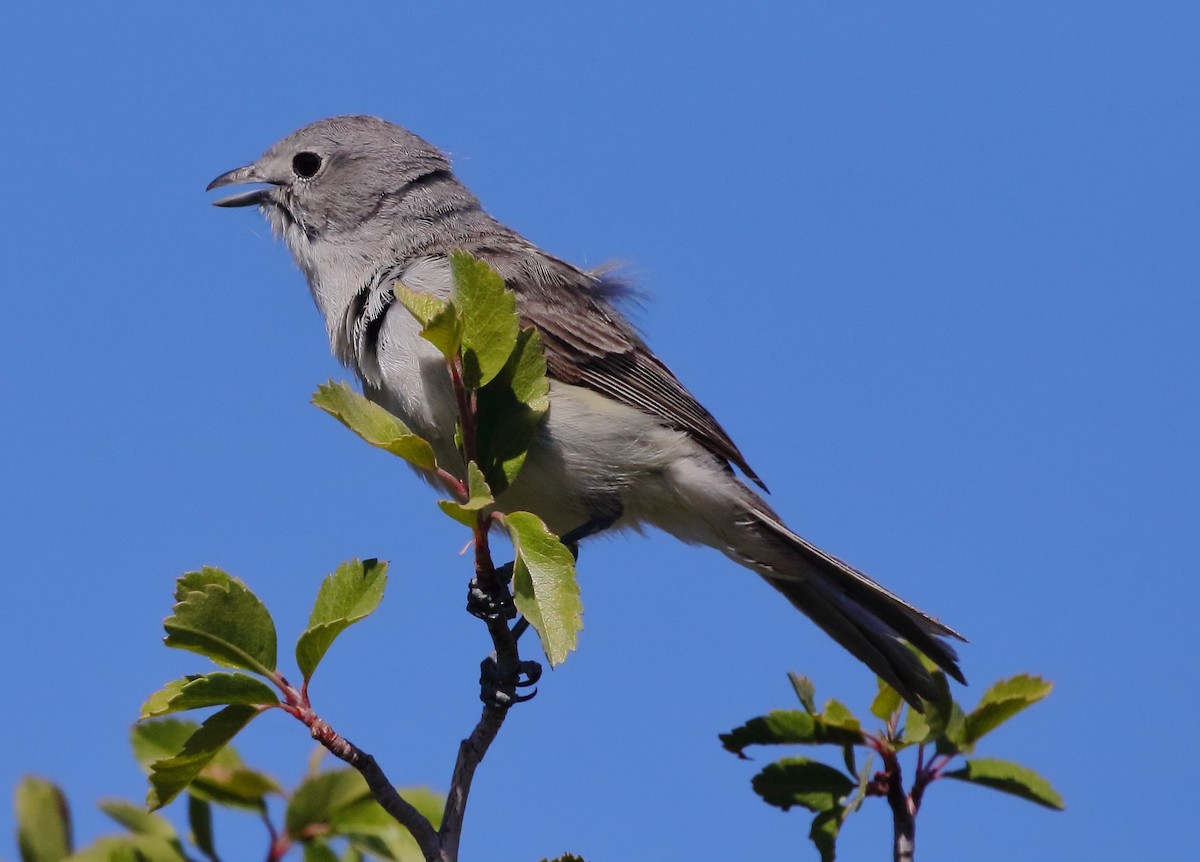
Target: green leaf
{"type": "Point", "coordinates": [43, 821]}
{"type": "Point", "coordinates": [350, 594]}
{"type": "Point", "coordinates": [200, 823]}
{"type": "Point", "coordinates": [1011, 778]}
{"type": "Point", "coordinates": [480, 498]}
{"type": "Point", "coordinates": [1002, 701]}
{"type": "Point", "coordinates": [510, 409]}
{"type": "Point", "coordinates": [374, 831]}
{"type": "Point", "coordinates": [837, 714]}
{"type": "Point", "coordinates": [489, 314]}
{"type": "Point", "coordinates": [886, 703]}
{"type": "Point", "coordinates": [211, 689]}
{"type": "Point", "coordinates": [916, 728]}
{"type": "Point", "coordinates": [321, 797]}
{"type": "Point", "coordinates": [787, 727]}
{"type": "Point", "coordinates": [860, 790]}
{"type": "Point", "coordinates": [374, 424]}
{"type": "Point", "coordinates": [318, 851]}
{"type": "Point", "coordinates": [130, 848]}
{"type": "Point", "coordinates": [824, 833]}
{"type": "Point", "coordinates": [217, 616]}
{"type": "Point", "coordinates": [545, 589]}
{"type": "Point", "coordinates": [172, 774]}
{"type": "Point", "coordinates": [953, 739]}
{"type": "Point", "coordinates": [234, 785]}
{"type": "Point", "coordinates": [806, 691]}
{"type": "Point", "coordinates": [137, 819]}
{"type": "Point", "coordinates": [801, 781]}
{"type": "Point", "coordinates": [441, 323]}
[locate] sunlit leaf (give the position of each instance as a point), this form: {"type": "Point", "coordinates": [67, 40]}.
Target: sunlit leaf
{"type": "Point", "coordinates": [374, 424]}
{"type": "Point", "coordinates": [217, 616]}
{"type": "Point", "coordinates": [211, 689]}
{"type": "Point", "coordinates": [43, 821]}
{"type": "Point", "coordinates": [172, 774]}
{"type": "Point", "coordinates": [1010, 778]}
{"type": "Point", "coordinates": [824, 832]}
{"type": "Point", "coordinates": [347, 596]}
{"type": "Point", "coordinates": [805, 690]}
{"type": "Point", "coordinates": [1002, 701]}
{"type": "Point", "coordinates": [545, 588]}
{"type": "Point", "coordinates": [490, 323]}
{"type": "Point", "coordinates": [137, 819]}
{"type": "Point", "coordinates": [480, 497]}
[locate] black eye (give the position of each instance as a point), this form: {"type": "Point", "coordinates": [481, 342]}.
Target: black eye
{"type": "Point", "coordinates": [306, 164]}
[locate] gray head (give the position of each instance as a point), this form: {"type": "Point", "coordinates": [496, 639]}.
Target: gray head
{"type": "Point", "coordinates": [338, 187]}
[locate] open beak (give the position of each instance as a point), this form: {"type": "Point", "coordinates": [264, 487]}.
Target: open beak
{"type": "Point", "coordinates": [237, 177]}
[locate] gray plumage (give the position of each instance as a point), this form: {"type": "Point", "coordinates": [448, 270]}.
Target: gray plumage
{"type": "Point", "coordinates": [363, 204]}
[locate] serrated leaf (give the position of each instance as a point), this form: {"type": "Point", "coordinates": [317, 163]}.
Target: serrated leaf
{"type": "Point", "coordinates": [545, 589]}
{"type": "Point", "coordinates": [806, 691]}
{"type": "Point", "coordinates": [480, 497]}
{"type": "Point", "coordinates": [787, 727]}
{"type": "Point", "coordinates": [211, 689]}
{"type": "Point", "coordinates": [824, 832]}
{"type": "Point", "coordinates": [137, 819]}
{"type": "Point", "coordinates": [421, 305]}
{"type": "Point", "coordinates": [374, 424]}
{"type": "Point", "coordinates": [219, 617]}
{"type": "Point", "coordinates": [1011, 778]}
{"type": "Point", "coordinates": [489, 315]}
{"type": "Point", "coordinates": [1002, 701]}
{"type": "Point", "coordinates": [800, 781]}
{"type": "Point", "coordinates": [886, 703]}
{"type": "Point", "coordinates": [322, 797]}
{"type": "Point", "coordinates": [43, 821]}
{"type": "Point", "coordinates": [200, 824]}
{"type": "Point", "coordinates": [347, 596]}
{"type": "Point", "coordinates": [172, 774]}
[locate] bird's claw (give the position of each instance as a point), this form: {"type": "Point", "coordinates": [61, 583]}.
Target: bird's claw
{"type": "Point", "coordinates": [494, 602]}
{"type": "Point", "coordinates": [498, 687]}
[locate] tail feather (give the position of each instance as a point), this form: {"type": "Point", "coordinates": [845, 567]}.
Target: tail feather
{"type": "Point", "coordinates": [869, 621]}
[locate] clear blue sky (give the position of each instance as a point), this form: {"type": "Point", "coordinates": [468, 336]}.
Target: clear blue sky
{"type": "Point", "coordinates": [934, 267]}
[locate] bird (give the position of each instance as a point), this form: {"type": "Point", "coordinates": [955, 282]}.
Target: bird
{"type": "Point", "coordinates": [364, 204]}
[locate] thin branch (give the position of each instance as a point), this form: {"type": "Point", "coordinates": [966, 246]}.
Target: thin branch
{"type": "Point", "coordinates": [470, 754]}
{"type": "Point", "coordinates": [298, 705]}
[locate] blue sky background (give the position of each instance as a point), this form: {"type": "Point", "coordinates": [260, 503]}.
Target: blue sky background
{"type": "Point", "coordinates": [934, 267]}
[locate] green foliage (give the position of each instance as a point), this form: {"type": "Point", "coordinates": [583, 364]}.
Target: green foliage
{"type": "Point", "coordinates": [832, 793]}
{"type": "Point", "coordinates": [479, 497]}
{"type": "Point", "coordinates": [216, 616]}
{"type": "Point", "coordinates": [545, 589]}
{"type": "Point", "coordinates": [347, 596]}
{"type": "Point", "coordinates": [489, 315]}
{"type": "Point", "coordinates": [374, 424]}
{"type": "Point", "coordinates": [43, 821]}
{"type": "Point", "coordinates": [172, 774]}
{"type": "Point", "coordinates": [1011, 778]}
{"type": "Point", "coordinates": [196, 691]}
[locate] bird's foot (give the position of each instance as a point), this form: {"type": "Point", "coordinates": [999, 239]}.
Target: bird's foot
{"type": "Point", "coordinates": [500, 679]}
{"type": "Point", "coordinates": [492, 601]}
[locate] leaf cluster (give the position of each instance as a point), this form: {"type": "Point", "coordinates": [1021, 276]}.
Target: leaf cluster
{"type": "Point", "coordinates": [498, 371]}
{"type": "Point", "coordinates": [942, 735]}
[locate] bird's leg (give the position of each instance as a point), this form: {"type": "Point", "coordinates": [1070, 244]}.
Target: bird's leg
{"type": "Point", "coordinates": [502, 672]}
{"type": "Point", "coordinates": [598, 524]}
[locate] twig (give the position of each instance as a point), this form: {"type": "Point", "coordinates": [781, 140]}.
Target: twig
{"type": "Point", "coordinates": [297, 704]}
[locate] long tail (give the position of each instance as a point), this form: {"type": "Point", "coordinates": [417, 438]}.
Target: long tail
{"type": "Point", "coordinates": [872, 623]}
